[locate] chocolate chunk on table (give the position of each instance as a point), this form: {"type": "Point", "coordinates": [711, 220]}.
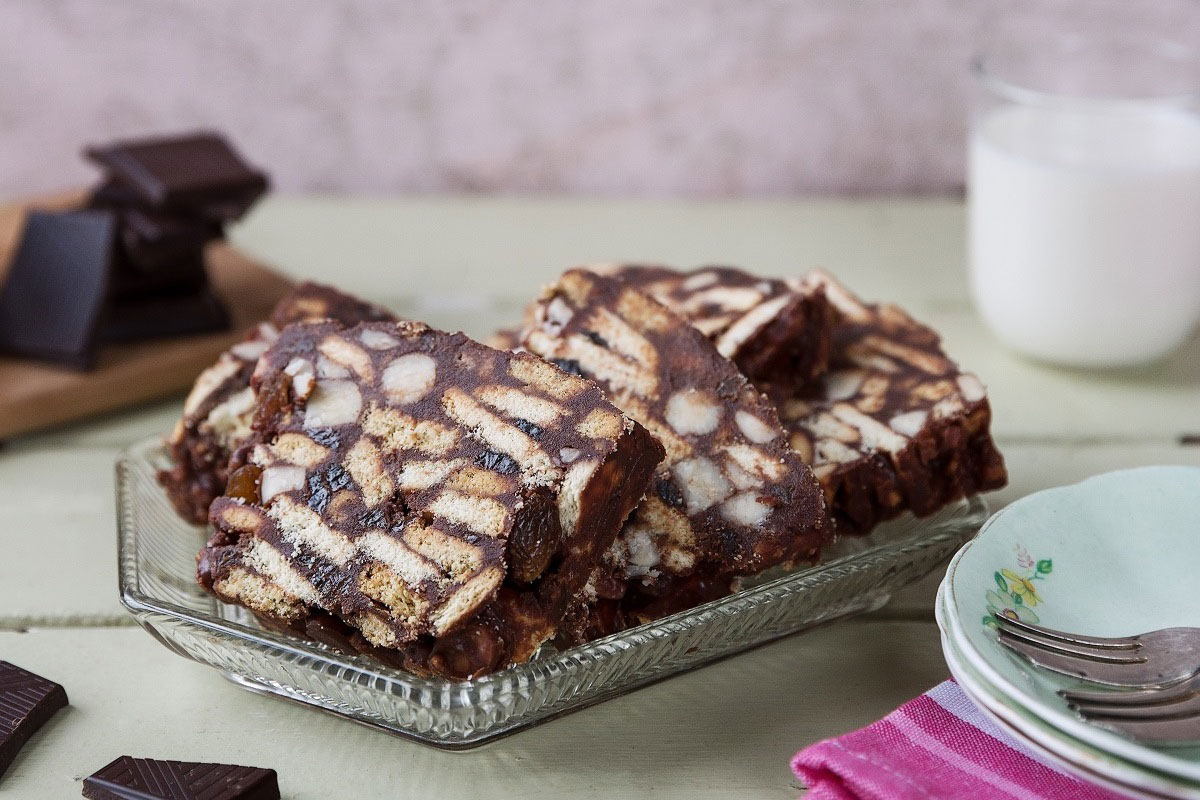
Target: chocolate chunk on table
{"type": "Point", "coordinates": [774, 330]}
{"type": "Point", "coordinates": [147, 778]}
{"type": "Point", "coordinates": [894, 424]}
{"type": "Point", "coordinates": [730, 499]}
{"type": "Point", "coordinates": [444, 499]}
{"type": "Point", "coordinates": [27, 701]}
{"type": "Point", "coordinates": [198, 173]}
{"type": "Point", "coordinates": [54, 298]}
{"type": "Point", "coordinates": [217, 413]}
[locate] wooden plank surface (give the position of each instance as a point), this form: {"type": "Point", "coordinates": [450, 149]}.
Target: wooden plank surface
{"type": "Point", "coordinates": [35, 395]}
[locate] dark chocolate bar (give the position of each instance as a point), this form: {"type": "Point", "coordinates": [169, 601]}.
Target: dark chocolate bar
{"type": "Point", "coordinates": [150, 779]}
{"type": "Point", "coordinates": [198, 173]}
{"type": "Point", "coordinates": [153, 241]}
{"type": "Point", "coordinates": [184, 275]}
{"type": "Point", "coordinates": [164, 315]}
{"type": "Point", "coordinates": [112, 195]}
{"type": "Point", "coordinates": [57, 286]}
{"type": "Point", "coordinates": [27, 701]}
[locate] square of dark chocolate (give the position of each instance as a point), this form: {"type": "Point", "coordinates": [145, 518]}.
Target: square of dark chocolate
{"type": "Point", "coordinates": [154, 241]}
{"type": "Point", "coordinates": [27, 702]}
{"type": "Point", "coordinates": [157, 316]}
{"type": "Point", "coordinates": [198, 173]}
{"type": "Point", "coordinates": [112, 194]}
{"type": "Point", "coordinates": [184, 275]}
{"type": "Point", "coordinates": [54, 296]}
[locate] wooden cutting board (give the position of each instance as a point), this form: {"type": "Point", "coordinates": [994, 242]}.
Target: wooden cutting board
{"type": "Point", "coordinates": [36, 395]}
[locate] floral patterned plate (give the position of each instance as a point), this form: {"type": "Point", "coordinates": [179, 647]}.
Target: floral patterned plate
{"type": "Point", "coordinates": [1051, 744]}
{"type": "Point", "coordinates": [1114, 555]}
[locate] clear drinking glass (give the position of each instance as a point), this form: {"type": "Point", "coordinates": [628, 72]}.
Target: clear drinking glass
{"type": "Point", "coordinates": [1084, 195]}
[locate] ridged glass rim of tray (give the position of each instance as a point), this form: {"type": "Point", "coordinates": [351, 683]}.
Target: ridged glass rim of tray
{"type": "Point", "coordinates": [157, 564]}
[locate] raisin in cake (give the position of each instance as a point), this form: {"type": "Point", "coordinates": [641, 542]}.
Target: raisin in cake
{"type": "Point", "coordinates": [774, 330]}
{"type": "Point", "coordinates": [894, 425]}
{"type": "Point", "coordinates": [444, 499]}
{"type": "Point", "coordinates": [731, 497]}
{"type": "Point", "coordinates": [216, 414]}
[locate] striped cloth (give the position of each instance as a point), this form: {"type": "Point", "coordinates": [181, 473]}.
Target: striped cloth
{"type": "Point", "coordinates": [936, 746]}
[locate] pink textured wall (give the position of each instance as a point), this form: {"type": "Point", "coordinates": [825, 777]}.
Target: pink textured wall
{"type": "Point", "coordinates": [700, 98]}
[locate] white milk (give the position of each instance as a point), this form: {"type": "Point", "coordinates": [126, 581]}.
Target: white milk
{"type": "Point", "coordinates": [1085, 231]}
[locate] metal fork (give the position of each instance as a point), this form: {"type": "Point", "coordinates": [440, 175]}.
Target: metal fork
{"type": "Point", "coordinates": [1146, 661]}
{"type": "Point", "coordinates": [1162, 667]}
{"type": "Point", "coordinates": [1162, 716]}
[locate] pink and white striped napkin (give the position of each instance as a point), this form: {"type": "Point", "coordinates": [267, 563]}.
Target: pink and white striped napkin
{"type": "Point", "coordinates": [936, 746]}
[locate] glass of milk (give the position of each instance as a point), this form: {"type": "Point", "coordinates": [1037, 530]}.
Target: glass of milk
{"type": "Point", "coordinates": [1084, 197]}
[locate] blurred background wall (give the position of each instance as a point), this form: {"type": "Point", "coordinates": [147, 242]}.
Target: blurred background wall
{"type": "Point", "coordinates": [693, 98]}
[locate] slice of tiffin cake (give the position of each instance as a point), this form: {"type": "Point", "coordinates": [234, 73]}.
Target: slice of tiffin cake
{"type": "Point", "coordinates": [444, 500]}
{"type": "Point", "coordinates": [217, 412]}
{"type": "Point", "coordinates": [730, 499]}
{"type": "Point", "coordinates": [894, 425]}
{"type": "Point", "coordinates": [775, 331]}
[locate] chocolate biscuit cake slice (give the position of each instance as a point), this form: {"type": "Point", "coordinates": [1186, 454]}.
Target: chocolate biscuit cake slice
{"type": "Point", "coordinates": [776, 331]}
{"type": "Point", "coordinates": [444, 499]}
{"type": "Point", "coordinates": [217, 411]}
{"type": "Point", "coordinates": [894, 424]}
{"type": "Point", "coordinates": [731, 497]}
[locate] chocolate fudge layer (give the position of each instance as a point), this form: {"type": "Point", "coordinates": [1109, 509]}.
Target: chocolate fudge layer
{"type": "Point", "coordinates": [443, 498]}
{"type": "Point", "coordinates": [731, 498]}
{"type": "Point", "coordinates": [776, 331]}
{"type": "Point", "coordinates": [217, 413]}
{"type": "Point", "coordinates": [894, 425]}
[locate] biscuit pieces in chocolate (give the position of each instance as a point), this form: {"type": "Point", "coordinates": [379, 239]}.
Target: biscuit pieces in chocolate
{"type": "Point", "coordinates": [894, 424]}
{"type": "Point", "coordinates": [435, 494]}
{"type": "Point", "coordinates": [774, 330]}
{"type": "Point", "coordinates": [218, 410]}
{"type": "Point", "coordinates": [731, 498]}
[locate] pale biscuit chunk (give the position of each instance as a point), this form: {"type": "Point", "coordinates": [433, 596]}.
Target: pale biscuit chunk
{"type": "Point", "coordinates": [422, 499]}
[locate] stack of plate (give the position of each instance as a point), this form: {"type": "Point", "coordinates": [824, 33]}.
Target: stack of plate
{"type": "Point", "coordinates": [1115, 555]}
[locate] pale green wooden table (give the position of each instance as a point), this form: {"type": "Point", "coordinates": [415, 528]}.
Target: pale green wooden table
{"type": "Point", "coordinates": [726, 730]}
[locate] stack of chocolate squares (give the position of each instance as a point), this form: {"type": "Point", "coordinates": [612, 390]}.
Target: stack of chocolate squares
{"type": "Point", "coordinates": [646, 441]}
{"type": "Point", "coordinates": [130, 264]}
{"type": "Point", "coordinates": [169, 198]}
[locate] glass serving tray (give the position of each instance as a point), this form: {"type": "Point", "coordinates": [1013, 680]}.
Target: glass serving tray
{"type": "Point", "coordinates": [157, 551]}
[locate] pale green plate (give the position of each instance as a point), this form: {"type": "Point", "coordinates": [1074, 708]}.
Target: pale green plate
{"type": "Point", "coordinates": [1067, 752]}
{"type": "Point", "coordinates": [1114, 555]}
